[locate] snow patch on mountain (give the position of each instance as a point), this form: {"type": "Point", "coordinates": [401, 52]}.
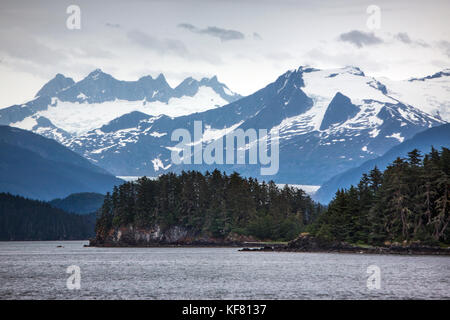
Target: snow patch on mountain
{"type": "Point", "coordinates": [158, 164]}
{"type": "Point", "coordinates": [26, 124]}
{"type": "Point", "coordinates": [211, 134]}
{"type": "Point", "coordinates": [430, 94]}
{"type": "Point", "coordinates": [397, 136]}
{"type": "Point", "coordinates": [355, 86]}
{"type": "Point", "coordinates": [322, 86]}
{"type": "Point", "coordinates": [78, 118]}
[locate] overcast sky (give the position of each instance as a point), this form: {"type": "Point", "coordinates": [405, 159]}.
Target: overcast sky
{"type": "Point", "coordinates": [246, 43]}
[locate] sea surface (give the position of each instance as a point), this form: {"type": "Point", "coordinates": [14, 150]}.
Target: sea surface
{"type": "Point", "coordinates": [38, 270]}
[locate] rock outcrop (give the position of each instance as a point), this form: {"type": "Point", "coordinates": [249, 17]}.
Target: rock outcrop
{"type": "Point", "coordinates": [131, 236]}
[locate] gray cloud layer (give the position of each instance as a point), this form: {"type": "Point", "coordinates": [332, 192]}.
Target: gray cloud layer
{"type": "Point", "coordinates": [360, 38]}
{"type": "Point", "coordinates": [405, 38]}
{"type": "Point", "coordinates": [222, 34]}
{"type": "Point", "coordinates": [161, 46]}
{"type": "Point", "coordinates": [112, 25]}
{"type": "Point", "coordinates": [445, 47]}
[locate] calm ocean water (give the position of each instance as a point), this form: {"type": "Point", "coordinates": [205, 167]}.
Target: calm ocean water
{"type": "Point", "coordinates": [37, 270]}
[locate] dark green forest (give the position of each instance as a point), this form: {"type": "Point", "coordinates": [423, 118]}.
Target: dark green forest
{"type": "Point", "coordinates": [214, 204]}
{"type": "Point", "coordinates": [409, 201]}
{"type": "Point", "coordinates": [25, 219]}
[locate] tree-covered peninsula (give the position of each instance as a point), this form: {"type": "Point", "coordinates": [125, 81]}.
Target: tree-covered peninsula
{"type": "Point", "coordinates": [203, 208]}
{"type": "Point", "coordinates": [407, 203]}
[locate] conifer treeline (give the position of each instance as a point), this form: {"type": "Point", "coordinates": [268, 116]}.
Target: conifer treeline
{"type": "Point", "coordinates": [409, 201]}
{"type": "Point", "coordinates": [25, 219]}
{"type": "Point", "coordinates": [213, 204]}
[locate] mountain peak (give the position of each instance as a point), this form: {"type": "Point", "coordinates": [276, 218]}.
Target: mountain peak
{"type": "Point", "coordinates": [291, 78]}
{"type": "Point", "coordinates": [58, 83]}
{"type": "Point", "coordinates": [190, 86]}
{"type": "Point", "coordinates": [210, 81]}
{"type": "Point", "coordinates": [440, 74]}
{"type": "Point", "coordinates": [96, 74]}
{"type": "Point", "coordinates": [213, 79]}
{"type": "Point", "coordinates": [145, 78]}
{"type": "Point", "coordinates": [161, 77]}
{"type": "Point", "coordinates": [306, 69]}
{"type": "Point", "coordinates": [353, 70]}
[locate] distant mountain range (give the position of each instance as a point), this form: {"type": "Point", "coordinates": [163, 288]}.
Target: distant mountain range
{"type": "Point", "coordinates": [329, 120]}
{"type": "Point", "coordinates": [63, 107]}
{"type": "Point", "coordinates": [40, 168]}
{"type": "Point", "coordinates": [436, 137]}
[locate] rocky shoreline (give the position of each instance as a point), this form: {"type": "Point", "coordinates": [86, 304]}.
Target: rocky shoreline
{"type": "Point", "coordinates": [173, 237]}
{"type": "Point", "coordinates": [180, 244]}
{"type": "Point", "coordinates": [308, 243]}
{"type": "Point", "coordinates": [179, 237]}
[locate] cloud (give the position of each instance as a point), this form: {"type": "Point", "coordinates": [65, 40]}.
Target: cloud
{"type": "Point", "coordinates": [188, 26]}
{"type": "Point", "coordinates": [325, 57]}
{"type": "Point", "coordinates": [283, 55]}
{"type": "Point", "coordinates": [222, 34]}
{"type": "Point", "coordinates": [161, 46]}
{"type": "Point", "coordinates": [444, 45]}
{"type": "Point", "coordinates": [405, 38]}
{"type": "Point", "coordinates": [112, 25]}
{"type": "Point", "coordinates": [360, 38]}
{"type": "Point", "coordinates": [257, 36]}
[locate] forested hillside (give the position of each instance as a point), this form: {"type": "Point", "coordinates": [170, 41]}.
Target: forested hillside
{"type": "Point", "coordinates": [83, 203]}
{"type": "Point", "coordinates": [24, 219]}
{"type": "Point", "coordinates": [211, 204]}
{"type": "Point", "coordinates": [39, 168]}
{"type": "Point", "coordinates": [409, 201]}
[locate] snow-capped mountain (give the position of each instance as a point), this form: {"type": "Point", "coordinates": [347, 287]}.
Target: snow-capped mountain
{"type": "Point", "coordinates": [430, 94]}
{"type": "Point", "coordinates": [328, 120]}
{"type": "Point", "coordinates": [73, 108]}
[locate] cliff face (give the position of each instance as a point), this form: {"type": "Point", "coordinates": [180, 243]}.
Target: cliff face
{"type": "Point", "coordinates": [132, 236]}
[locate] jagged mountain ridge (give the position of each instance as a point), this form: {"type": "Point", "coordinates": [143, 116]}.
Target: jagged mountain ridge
{"type": "Point", "coordinates": [316, 142]}
{"type": "Point", "coordinates": [329, 121]}
{"type": "Point", "coordinates": [72, 108]}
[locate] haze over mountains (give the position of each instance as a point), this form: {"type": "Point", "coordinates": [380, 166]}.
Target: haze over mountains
{"type": "Point", "coordinates": [329, 120]}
